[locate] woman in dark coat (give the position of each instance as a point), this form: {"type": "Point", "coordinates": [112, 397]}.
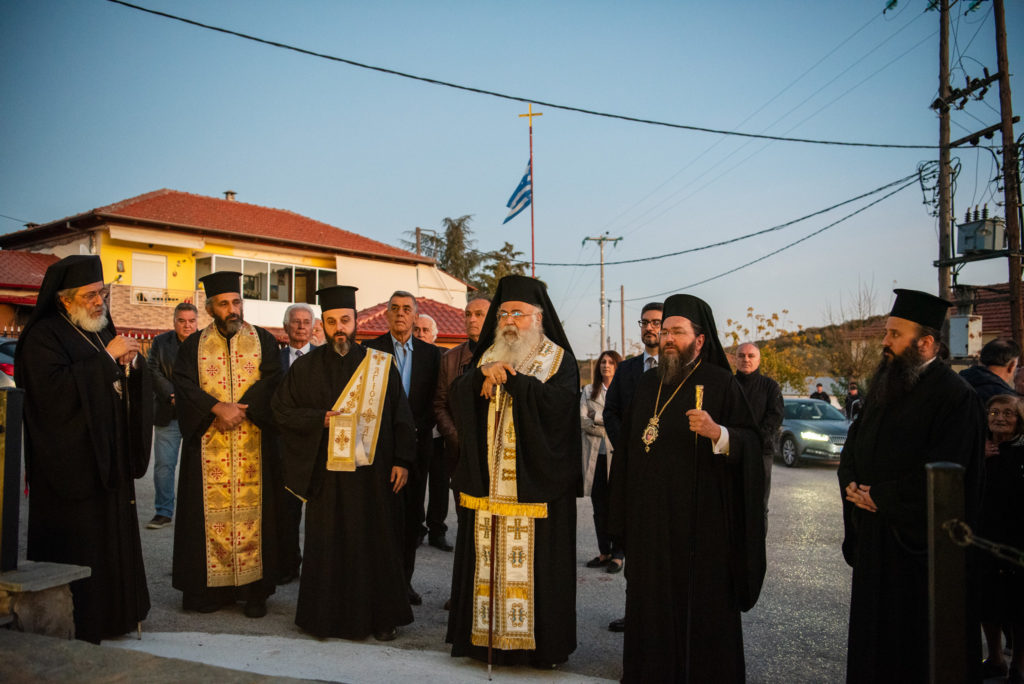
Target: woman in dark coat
{"type": "Point", "coordinates": [1002, 521]}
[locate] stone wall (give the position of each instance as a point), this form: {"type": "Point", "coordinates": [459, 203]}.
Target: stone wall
{"type": "Point", "coordinates": [137, 308]}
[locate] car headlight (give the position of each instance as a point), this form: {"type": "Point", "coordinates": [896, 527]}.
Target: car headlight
{"type": "Point", "coordinates": [814, 436]}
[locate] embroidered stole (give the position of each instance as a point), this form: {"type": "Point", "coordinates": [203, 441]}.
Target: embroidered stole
{"type": "Point", "coordinates": [514, 522]}
{"type": "Point", "coordinates": [231, 462]}
{"type": "Point", "coordinates": [353, 434]}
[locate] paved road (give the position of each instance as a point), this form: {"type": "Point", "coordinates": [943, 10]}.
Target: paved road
{"type": "Point", "coordinates": [796, 633]}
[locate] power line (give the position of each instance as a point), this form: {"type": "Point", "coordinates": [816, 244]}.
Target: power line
{"type": "Point", "coordinates": [739, 238]}
{"type": "Point", "coordinates": [516, 98]}
{"type": "Point", "coordinates": [771, 254]}
{"type": "Point", "coordinates": [14, 219]}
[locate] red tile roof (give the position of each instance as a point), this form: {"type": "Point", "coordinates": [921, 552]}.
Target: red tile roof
{"type": "Point", "coordinates": [24, 270]}
{"type": "Point", "coordinates": [206, 215]}
{"type": "Point", "coordinates": [451, 325]}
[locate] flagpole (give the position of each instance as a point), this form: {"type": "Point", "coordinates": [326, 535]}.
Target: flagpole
{"type": "Point", "coordinates": [533, 249]}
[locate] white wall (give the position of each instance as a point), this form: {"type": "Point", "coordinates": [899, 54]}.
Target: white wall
{"type": "Point", "coordinates": [376, 281]}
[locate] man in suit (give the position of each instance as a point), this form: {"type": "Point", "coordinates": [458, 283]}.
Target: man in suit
{"type": "Point", "coordinates": [298, 325]}
{"type": "Point", "coordinates": [620, 392]}
{"type": "Point", "coordinates": [417, 363]}
{"type": "Point", "coordinates": [166, 435]}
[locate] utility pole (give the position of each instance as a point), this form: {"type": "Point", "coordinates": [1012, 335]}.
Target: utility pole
{"type": "Point", "coordinates": [1011, 180]}
{"type": "Point", "coordinates": [622, 317]}
{"type": "Point", "coordinates": [945, 199]}
{"type": "Point", "coordinates": [419, 235]}
{"type": "Point", "coordinates": [600, 241]}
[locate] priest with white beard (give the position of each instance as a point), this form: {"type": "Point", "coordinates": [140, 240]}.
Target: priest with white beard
{"type": "Point", "coordinates": [518, 475]}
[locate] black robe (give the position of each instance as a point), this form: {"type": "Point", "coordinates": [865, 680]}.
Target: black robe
{"type": "Point", "coordinates": [693, 522]}
{"type": "Point", "coordinates": [84, 446]}
{"type": "Point", "coordinates": [765, 398]}
{"type": "Point", "coordinates": [352, 580]}
{"type": "Point", "coordinates": [193, 405]}
{"type": "Point", "coordinates": [938, 420]}
{"type": "Point", "coordinates": [548, 470]}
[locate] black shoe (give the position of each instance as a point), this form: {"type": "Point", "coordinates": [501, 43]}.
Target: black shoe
{"type": "Point", "coordinates": [385, 634]}
{"type": "Point", "coordinates": [157, 522]}
{"type": "Point", "coordinates": [614, 566]}
{"type": "Point", "coordinates": [288, 577]}
{"type": "Point", "coordinates": [414, 598]}
{"type": "Point", "coordinates": [438, 541]}
{"type": "Point", "coordinates": [598, 562]}
{"type": "Point", "coordinates": [617, 625]}
{"type": "Point", "coordinates": [255, 608]}
{"type": "Point", "coordinates": [200, 605]}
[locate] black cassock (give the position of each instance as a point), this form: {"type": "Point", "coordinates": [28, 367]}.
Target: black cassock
{"type": "Point", "coordinates": [548, 470]}
{"type": "Point", "coordinates": [938, 420]}
{"type": "Point", "coordinates": [84, 446]}
{"type": "Point", "coordinates": [352, 580]}
{"type": "Point", "coordinates": [693, 524]}
{"type": "Point", "coordinates": [193, 405]}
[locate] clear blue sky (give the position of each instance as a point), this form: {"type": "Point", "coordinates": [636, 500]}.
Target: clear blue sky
{"type": "Point", "coordinates": [99, 103]}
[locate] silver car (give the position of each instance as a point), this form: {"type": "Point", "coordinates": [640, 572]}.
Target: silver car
{"type": "Point", "coordinates": [811, 429]}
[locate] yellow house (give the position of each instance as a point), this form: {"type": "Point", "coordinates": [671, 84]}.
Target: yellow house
{"type": "Point", "coordinates": [156, 246]}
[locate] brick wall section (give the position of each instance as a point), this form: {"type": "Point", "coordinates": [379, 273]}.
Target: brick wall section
{"type": "Point", "coordinates": [128, 314]}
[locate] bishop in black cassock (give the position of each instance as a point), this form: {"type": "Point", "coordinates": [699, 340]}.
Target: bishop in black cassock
{"type": "Point", "coordinates": [917, 411]}
{"type": "Point", "coordinates": [528, 429]}
{"type": "Point", "coordinates": [88, 428]}
{"type": "Point", "coordinates": [688, 499]}
{"type": "Point", "coordinates": [352, 582]}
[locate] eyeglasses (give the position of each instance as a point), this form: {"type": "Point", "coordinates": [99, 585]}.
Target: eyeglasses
{"type": "Point", "coordinates": [94, 295]}
{"type": "Point", "coordinates": [1005, 413]}
{"type": "Point", "coordinates": [653, 323]}
{"type": "Point", "coordinates": [516, 316]}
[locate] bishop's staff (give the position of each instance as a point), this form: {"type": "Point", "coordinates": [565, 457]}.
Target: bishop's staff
{"type": "Point", "coordinates": [698, 404]}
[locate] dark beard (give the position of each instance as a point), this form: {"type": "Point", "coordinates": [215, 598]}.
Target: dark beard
{"type": "Point", "coordinates": [341, 346]}
{"type": "Point", "coordinates": [895, 377]}
{"type": "Point", "coordinates": [228, 326]}
{"type": "Point", "coordinates": [671, 367]}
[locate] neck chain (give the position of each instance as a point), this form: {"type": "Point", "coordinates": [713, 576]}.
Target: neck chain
{"type": "Point", "coordinates": [98, 346]}
{"type": "Point", "coordinates": [651, 431]}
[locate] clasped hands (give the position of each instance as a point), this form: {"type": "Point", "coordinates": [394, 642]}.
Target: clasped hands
{"type": "Point", "coordinates": [123, 349]}
{"type": "Point", "coordinates": [860, 496]}
{"type": "Point", "coordinates": [228, 415]}
{"type": "Point", "coordinates": [495, 374]}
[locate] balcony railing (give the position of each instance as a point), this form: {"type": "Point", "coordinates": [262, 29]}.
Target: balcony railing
{"type": "Point", "coordinates": [156, 296]}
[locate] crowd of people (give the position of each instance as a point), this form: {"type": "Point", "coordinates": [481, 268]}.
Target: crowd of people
{"type": "Point", "coordinates": [674, 448]}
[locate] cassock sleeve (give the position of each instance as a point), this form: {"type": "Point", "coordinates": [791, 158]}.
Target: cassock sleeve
{"type": "Point", "coordinates": [773, 414]}
{"type": "Point", "coordinates": [139, 429]}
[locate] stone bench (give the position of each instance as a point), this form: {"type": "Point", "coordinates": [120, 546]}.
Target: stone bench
{"type": "Point", "coordinates": [36, 598]}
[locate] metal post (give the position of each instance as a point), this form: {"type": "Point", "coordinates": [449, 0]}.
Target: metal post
{"type": "Point", "coordinates": [11, 403]}
{"type": "Point", "coordinates": [945, 195]}
{"type": "Point", "coordinates": [622, 318]}
{"type": "Point", "coordinates": [947, 577]}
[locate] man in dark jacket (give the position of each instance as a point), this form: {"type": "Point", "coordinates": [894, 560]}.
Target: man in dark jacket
{"type": "Point", "coordinates": [166, 435]}
{"type": "Point", "coordinates": [765, 398]}
{"type": "Point", "coordinates": [996, 367]}
{"type": "Point", "coordinates": [417, 363]}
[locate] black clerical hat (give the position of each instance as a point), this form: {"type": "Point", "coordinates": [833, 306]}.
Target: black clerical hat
{"type": "Point", "coordinates": [520, 288]}
{"type": "Point", "coordinates": [221, 282]}
{"type": "Point", "coordinates": [78, 270]}
{"type": "Point", "coordinates": [337, 297]}
{"type": "Point", "coordinates": [920, 307]}
{"type": "Point", "coordinates": [696, 310]}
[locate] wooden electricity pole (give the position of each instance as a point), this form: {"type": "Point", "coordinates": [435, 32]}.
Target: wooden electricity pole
{"type": "Point", "coordinates": [945, 198]}
{"type": "Point", "coordinates": [600, 241]}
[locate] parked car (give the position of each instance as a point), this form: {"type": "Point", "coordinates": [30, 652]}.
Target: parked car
{"type": "Point", "coordinates": [7, 346]}
{"type": "Point", "coordinates": [811, 429]}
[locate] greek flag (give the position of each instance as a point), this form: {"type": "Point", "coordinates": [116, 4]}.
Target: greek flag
{"type": "Point", "coordinates": [520, 199]}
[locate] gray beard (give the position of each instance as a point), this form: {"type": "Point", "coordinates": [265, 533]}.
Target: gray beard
{"type": "Point", "coordinates": [83, 320]}
{"type": "Point", "coordinates": [342, 347]}
{"type": "Point", "coordinates": [514, 349]}
{"type": "Point", "coordinates": [229, 328]}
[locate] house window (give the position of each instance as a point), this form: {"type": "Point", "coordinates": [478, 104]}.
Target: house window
{"type": "Point", "coordinates": [280, 283]}
{"type": "Point", "coordinates": [270, 281]}
{"type": "Point", "coordinates": [149, 270]}
{"type": "Point", "coordinates": [255, 280]}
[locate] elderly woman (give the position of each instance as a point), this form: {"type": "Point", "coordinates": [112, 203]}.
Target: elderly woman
{"type": "Point", "coordinates": [1002, 521]}
{"type": "Point", "coordinates": [597, 459]}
